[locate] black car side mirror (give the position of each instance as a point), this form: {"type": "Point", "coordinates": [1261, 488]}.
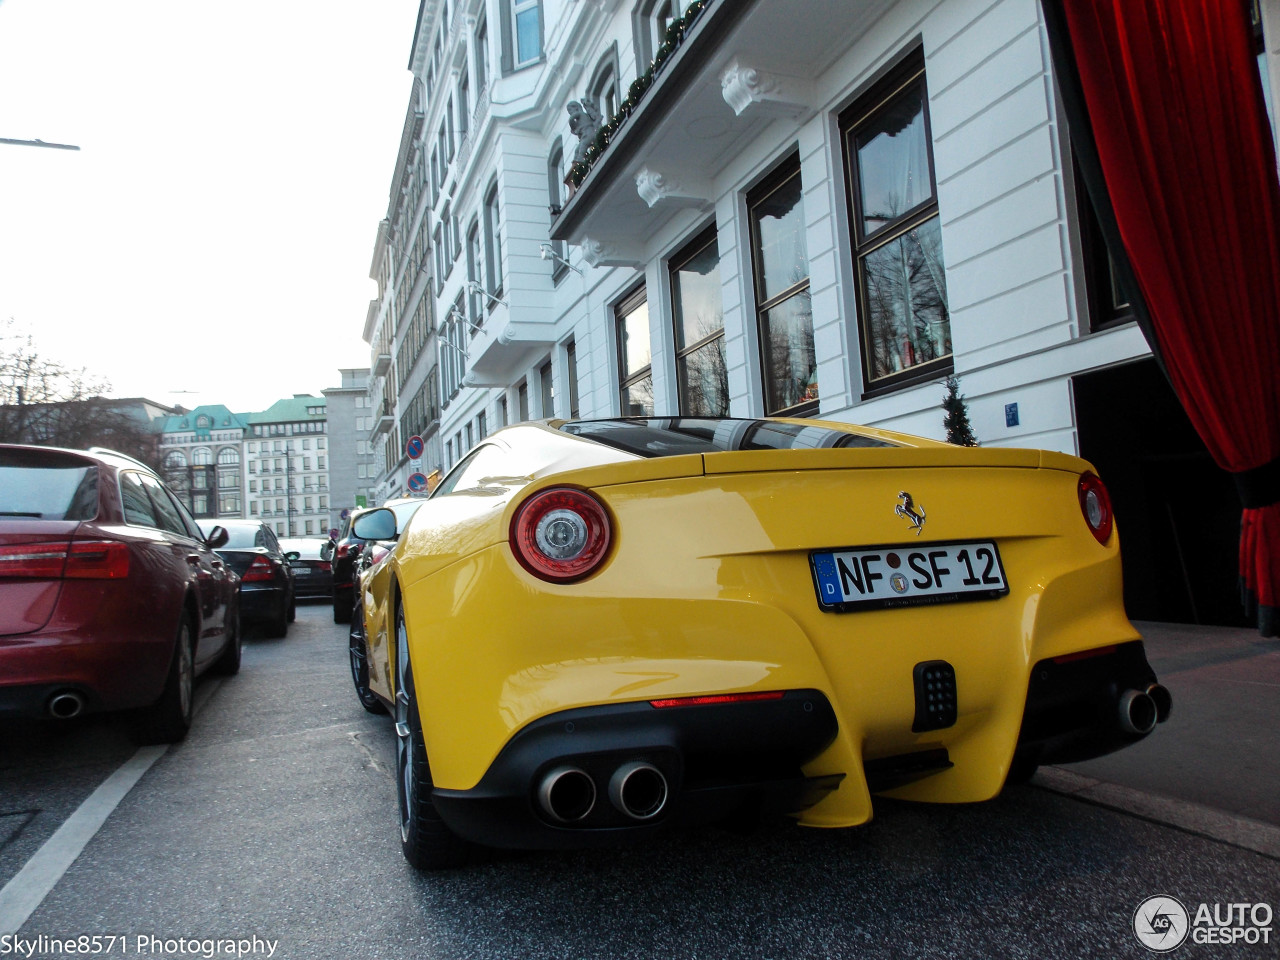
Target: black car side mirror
{"type": "Point", "coordinates": [377, 524]}
{"type": "Point", "coordinates": [218, 537]}
{"type": "Point", "coordinates": [292, 555]}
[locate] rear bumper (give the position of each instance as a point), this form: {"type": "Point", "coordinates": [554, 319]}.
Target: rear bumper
{"type": "Point", "coordinates": [717, 760]}
{"type": "Point", "coordinates": [313, 586]}
{"type": "Point", "coordinates": [1072, 704]}
{"type": "Point", "coordinates": [261, 602]}
{"type": "Point", "coordinates": [111, 673]}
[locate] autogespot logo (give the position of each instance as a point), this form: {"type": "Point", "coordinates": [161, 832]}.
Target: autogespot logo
{"type": "Point", "coordinates": [1161, 923]}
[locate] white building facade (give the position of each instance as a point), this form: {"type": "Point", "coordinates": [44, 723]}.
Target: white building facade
{"type": "Point", "coordinates": [818, 209]}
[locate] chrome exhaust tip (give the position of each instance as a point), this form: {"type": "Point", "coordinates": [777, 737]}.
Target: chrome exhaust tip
{"type": "Point", "coordinates": [639, 790]}
{"type": "Point", "coordinates": [1137, 712]}
{"type": "Point", "coordinates": [66, 704]}
{"type": "Point", "coordinates": [567, 794]}
{"type": "Point", "coordinates": [1163, 700]}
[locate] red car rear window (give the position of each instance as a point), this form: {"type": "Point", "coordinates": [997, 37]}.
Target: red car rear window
{"type": "Point", "coordinates": [47, 485]}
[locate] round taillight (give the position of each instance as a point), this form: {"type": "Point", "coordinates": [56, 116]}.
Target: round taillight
{"type": "Point", "coordinates": [561, 534]}
{"type": "Point", "coordinates": [1095, 504]}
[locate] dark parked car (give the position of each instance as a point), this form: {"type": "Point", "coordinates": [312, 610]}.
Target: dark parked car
{"type": "Point", "coordinates": [111, 596]}
{"type": "Point", "coordinates": [266, 578]}
{"type": "Point", "coordinates": [347, 556]}
{"type": "Point", "coordinates": [313, 570]}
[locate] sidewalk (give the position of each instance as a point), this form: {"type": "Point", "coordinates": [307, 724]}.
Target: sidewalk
{"type": "Point", "coordinates": [1216, 761]}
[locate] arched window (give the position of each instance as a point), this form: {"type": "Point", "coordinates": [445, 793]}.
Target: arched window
{"type": "Point", "coordinates": [175, 460]}
{"type": "Point", "coordinates": [603, 91]}
{"type": "Point", "coordinates": [201, 457]}
{"type": "Point", "coordinates": [650, 19]}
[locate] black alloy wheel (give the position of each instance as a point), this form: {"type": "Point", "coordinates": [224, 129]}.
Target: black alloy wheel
{"type": "Point", "coordinates": [426, 840]}
{"type": "Point", "coordinates": [360, 664]}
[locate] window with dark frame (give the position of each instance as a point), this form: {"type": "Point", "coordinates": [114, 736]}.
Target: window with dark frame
{"type": "Point", "coordinates": [904, 322]}
{"type": "Point", "coordinates": [493, 244]}
{"type": "Point", "coordinates": [702, 376]}
{"type": "Point", "coordinates": [635, 369]}
{"type": "Point", "coordinates": [781, 276]}
{"type": "Point", "coordinates": [546, 387]}
{"type": "Point", "coordinates": [571, 361]}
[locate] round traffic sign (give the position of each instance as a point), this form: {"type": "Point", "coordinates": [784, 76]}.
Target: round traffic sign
{"type": "Point", "coordinates": [417, 482]}
{"type": "Point", "coordinates": [414, 447]}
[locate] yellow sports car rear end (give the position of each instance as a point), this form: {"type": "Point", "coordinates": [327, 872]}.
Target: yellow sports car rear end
{"type": "Point", "coordinates": [615, 626]}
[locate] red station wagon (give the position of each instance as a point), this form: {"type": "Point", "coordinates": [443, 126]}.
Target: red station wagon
{"type": "Point", "coordinates": [111, 598]}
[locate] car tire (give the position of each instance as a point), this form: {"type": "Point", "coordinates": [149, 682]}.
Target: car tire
{"type": "Point", "coordinates": [360, 664]}
{"type": "Point", "coordinates": [293, 607]}
{"type": "Point", "coordinates": [1022, 769]}
{"type": "Point", "coordinates": [279, 624]}
{"type": "Point", "coordinates": [426, 840]}
{"type": "Point", "coordinates": [341, 607]}
{"type": "Point", "coordinates": [228, 664]}
{"type": "Point", "coordinates": [169, 718]}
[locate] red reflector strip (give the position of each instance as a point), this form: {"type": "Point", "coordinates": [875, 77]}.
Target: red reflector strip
{"type": "Point", "coordinates": [43, 561]}
{"type": "Point", "coordinates": [108, 560]}
{"type": "Point", "coordinates": [324, 566]}
{"type": "Point", "coordinates": [717, 698]}
{"type": "Point", "coordinates": [1085, 654]}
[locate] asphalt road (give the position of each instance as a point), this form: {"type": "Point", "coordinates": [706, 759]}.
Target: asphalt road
{"type": "Point", "coordinates": [276, 819]}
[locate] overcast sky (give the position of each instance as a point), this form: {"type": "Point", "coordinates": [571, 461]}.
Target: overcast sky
{"type": "Point", "coordinates": [213, 234]}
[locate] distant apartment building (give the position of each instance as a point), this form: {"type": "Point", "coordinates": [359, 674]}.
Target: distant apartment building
{"type": "Point", "coordinates": [201, 456]}
{"type": "Point", "coordinates": [287, 466]}
{"type": "Point", "coordinates": [352, 471]}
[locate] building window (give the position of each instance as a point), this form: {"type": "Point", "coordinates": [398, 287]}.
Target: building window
{"type": "Point", "coordinates": [652, 18]}
{"type": "Point", "coordinates": [781, 276]}
{"type": "Point", "coordinates": [547, 390]}
{"type": "Point", "coordinates": [493, 244]}
{"type": "Point", "coordinates": [701, 372]}
{"type": "Point", "coordinates": [571, 361]}
{"type": "Point", "coordinates": [635, 370]}
{"type": "Point", "coordinates": [522, 396]}
{"type": "Point", "coordinates": [903, 319]}
{"type": "Point", "coordinates": [526, 32]}
{"type": "Point", "coordinates": [502, 412]}
{"type": "Point", "coordinates": [482, 58]}
{"type": "Point", "coordinates": [603, 91]}
{"type": "Point", "coordinates": [475, 306]}
{"type": "Point", "coordinates": [464, 102]}
{"type": "Point", "coordinates": [556, 200]}
{"type": "Point", "coordinates": [482, 425]}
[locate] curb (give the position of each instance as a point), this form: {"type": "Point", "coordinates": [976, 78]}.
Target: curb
{"type": "Point", "coordinates": [1242, 832]}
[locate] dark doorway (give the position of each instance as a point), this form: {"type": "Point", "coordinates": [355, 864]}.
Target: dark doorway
{"type": "Point", "coordinates": [1177, 512]}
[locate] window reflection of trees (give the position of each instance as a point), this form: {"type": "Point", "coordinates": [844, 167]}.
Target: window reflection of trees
{"type": "Point", "coordinates": [907, 301]}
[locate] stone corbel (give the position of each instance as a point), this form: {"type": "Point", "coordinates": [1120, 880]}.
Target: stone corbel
{"type": "Point", "coordinates": [653, 185]}
{"type": "Point", "coordinates": [743, 86]}
{"type": "Point", "coordinates": [602, 253]}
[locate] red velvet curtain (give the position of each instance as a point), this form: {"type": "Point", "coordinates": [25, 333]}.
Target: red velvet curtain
{"type": "Point", "coordinates": [1176, 109]}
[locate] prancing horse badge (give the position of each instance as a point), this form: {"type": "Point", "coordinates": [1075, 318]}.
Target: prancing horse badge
{"type": "Point", "coordinates": [907, 510]}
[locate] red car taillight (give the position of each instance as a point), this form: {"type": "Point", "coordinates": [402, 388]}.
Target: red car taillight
{"type": "Point", "coordinates": [1095, 504]}
{"type": "Point", "coordinates": [324, 566]}
{"type": "Point", "coordinates": [260, 569]}
{"type": "Point", "coordinates": [561, 534]}
{"type": "Point", "coordinates": [78, 560]}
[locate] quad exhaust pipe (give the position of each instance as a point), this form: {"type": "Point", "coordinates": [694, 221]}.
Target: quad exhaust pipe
{"type": "Point", "coordinates": [1141, 710]}
{"type": "Point", "coordinates": [66, 704]}
{"type": "Point", "coordinates": [567, 794]}
{"type": "Point", "coordinates": [639, 790]}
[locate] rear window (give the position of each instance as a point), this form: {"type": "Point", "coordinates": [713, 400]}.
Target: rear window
{"type": "Point", "coordinates": [47, 486]}
{"type": "Point", "coordinates": [673, 436]}
{"type": "Point", "coordinates": [241, 538]}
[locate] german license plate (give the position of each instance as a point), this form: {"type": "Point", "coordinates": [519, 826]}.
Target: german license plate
{"type": "Point", "coordinates": [907, 575]}
{"type": "Point", "coordinates": [302, 571]}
